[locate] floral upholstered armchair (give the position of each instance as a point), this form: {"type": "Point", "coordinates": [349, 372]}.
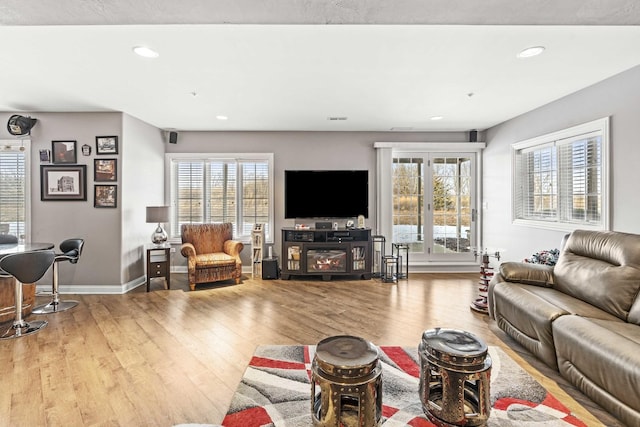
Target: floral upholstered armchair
{"type": "Point", "coordinates": [211, 252]}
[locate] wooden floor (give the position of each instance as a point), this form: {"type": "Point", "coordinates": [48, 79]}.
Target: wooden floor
{"type": "Point", "coordinates": [170, 357]}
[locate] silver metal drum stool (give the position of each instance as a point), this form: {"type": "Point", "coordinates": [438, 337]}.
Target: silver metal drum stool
{"type": "Point", "coordinates": [346, 383]}
{"type": "Point", "coordinates": [455, 371]}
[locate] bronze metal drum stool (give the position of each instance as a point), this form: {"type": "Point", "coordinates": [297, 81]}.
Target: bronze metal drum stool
{"type": "Point", "coordinates": [455, 371]}
{"type": "Point", "coordinates": [346, 383]}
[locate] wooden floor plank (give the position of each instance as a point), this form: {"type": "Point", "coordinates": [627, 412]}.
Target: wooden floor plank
{"type": "Point", "coordinates": [172, 356]}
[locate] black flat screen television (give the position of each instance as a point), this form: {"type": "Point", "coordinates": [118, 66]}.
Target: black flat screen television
{"type": "Point", "coordinates": [326, 193]}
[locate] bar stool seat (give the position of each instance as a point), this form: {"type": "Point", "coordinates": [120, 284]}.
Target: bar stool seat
{"type": "Point", "coordinates": [27, 268]}
{"type": "Point", "coordinates": [71, 251]}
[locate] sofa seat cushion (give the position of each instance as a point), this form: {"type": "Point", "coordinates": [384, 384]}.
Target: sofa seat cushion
{"type": "Point", "coordinates": [528, 312]}
{"type": "Point", "coordinates": [602, 359]}
{"type": "Point", "coordinates": [216, 259]}
{"type": "Point", "coordinates": [526, 315]}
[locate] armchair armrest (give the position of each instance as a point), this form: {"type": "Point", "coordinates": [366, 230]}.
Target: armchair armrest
{"type": "Point", "coordinates": [233, 248]}
{"type": "Point", "coordinates": [530, 274]}
{"type": "Point", "coordinates": [188, 250]}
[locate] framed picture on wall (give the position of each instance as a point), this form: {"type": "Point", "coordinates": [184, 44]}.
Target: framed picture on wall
{"type": "Point", "coordinates": [64, 151]}
{"type": "Point", "coordinates": [106, 145]}
{"type": "Point", "coordinates": [105, 196]}
{"type": "Point", "coordinates": [63, 182]}
{"type": "Point", "coordinates": [105, 170]}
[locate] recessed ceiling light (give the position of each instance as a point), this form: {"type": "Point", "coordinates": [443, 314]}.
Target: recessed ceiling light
{"type": "Point", "coordinates": [531, 51]}
{"type": "Point", "coordinates": [434, 118]}
{"type": "Point", "coordinates": [145, 52]}
{"type": "Point", "coordinates": [222, 117]}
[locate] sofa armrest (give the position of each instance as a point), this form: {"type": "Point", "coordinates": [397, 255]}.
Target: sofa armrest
{"type": "Point", "coordinates": [530, 274]}
{"type": "Point", "coordinates": [188, 250]}
{"type": "Point", "coordinates": [233, 248]}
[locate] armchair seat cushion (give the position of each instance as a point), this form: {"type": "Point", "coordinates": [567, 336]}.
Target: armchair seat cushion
{"type": "Point", "coordinates": [216, 259]}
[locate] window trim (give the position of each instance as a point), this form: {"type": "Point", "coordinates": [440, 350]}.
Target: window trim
{"type": "Point", "coordinates": [170, 157]}
{"type": "Point", "coordinates": [595, 127]}
{"type": "Point", "coordinates": [23, 145]}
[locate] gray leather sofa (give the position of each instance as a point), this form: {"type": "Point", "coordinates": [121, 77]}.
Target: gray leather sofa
{"type": "Point", "coordinates": [581, 316]}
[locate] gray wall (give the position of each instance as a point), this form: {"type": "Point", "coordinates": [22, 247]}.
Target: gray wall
{"type": "Point", "coordinates": [54, 221]}
{"type": "Point", "coordinates": [617, 97]}
{"type": "Point", "coordinates": [112, 259]}
{"type": "Point", "coordinates": [303, 150]}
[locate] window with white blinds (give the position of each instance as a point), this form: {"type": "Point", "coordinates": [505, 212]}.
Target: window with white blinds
{"type": "Point", "coordinates": [206, 189]}
{"type": "Point", "coordinates": [561, 179]}
{"type": "Point", "coordinates": [14, 188]}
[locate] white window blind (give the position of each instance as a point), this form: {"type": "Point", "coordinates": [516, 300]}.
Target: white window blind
{"type": "Point", "coordinates": [560, 179]}
{"type": "Point", "coordinates": [208, 190]}
{"type": "Point", "coordinates": [14, 206]}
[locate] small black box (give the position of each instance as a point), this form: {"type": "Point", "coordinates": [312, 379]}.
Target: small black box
{"type": "Point", "coordinates": [323, 225]}
{"type": "Point", "coordinates": [173, 137]}
{"type": "Point", "coordinates": [270, 268]}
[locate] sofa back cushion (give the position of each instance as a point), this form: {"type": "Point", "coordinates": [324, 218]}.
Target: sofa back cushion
{"type": "Point", "coordinates": [601, 268]}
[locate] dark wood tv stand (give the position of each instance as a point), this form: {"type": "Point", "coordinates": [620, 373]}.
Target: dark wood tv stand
{"type": "Point", "coordinates": [326, 253]}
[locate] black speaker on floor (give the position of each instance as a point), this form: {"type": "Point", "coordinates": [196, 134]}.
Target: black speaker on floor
{"type": "Point", "coordinates": [173, 137]}
{"type": "Point", "coordinates": [270, 268]}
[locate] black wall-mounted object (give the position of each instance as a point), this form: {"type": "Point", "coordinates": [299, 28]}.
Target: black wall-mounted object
{"type": "Point", "coordinates": [173, 137]}
{"type": "Point", "coordinates": [326, 194]}
{"type": "Point", "coordinates": [473, 136]}
{"type": "Point", "coordinates": [20, 125]}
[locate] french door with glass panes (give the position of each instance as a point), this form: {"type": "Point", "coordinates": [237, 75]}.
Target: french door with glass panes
{"type": "Point", "coordinates": [434, 212]}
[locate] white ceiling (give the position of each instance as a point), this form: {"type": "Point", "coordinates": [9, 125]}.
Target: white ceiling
{"type": "Point", "coordinates": [285, 76]}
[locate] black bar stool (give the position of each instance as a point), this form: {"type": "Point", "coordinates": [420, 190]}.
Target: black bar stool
{"type": "Point", "coordinates": [26, 267]}
{"type": "Point", "coordinates": [71, 251]}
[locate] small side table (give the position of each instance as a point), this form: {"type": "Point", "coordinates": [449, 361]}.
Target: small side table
{"type": "Point", "coordinates": [158, 263]}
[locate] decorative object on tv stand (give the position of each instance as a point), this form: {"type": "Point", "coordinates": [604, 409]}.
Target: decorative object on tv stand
{"type": "Point", "coordinates": [158, 214]}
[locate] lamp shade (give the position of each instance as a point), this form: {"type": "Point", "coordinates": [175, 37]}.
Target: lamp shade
{"type": "Point", "coordinates": [158, 214]}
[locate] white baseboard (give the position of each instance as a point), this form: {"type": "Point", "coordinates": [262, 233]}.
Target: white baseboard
{"type": "Point", "coordinates": [95, 289]}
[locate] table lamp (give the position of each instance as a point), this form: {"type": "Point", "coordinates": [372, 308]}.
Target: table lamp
{"type": "Point", "coordinates": [158, 214]}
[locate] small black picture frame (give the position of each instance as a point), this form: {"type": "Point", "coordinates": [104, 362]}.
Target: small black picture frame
{"type": "Point", "coordinates": [64, 152]}
{"type": "Point", "coordinates": [63, 182]}
{"type": "Point", "coordinates": [105, 196]}
{"type": "Point", "coordinates": [105, 170]}
{"type": "Point", "coordinates": [106, 145]}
